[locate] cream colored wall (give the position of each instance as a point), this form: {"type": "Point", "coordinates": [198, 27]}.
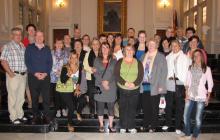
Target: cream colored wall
{"type": "Point", "coordinates": [141, 15]}
{"type": "Point", "coordinates": [7, 20]}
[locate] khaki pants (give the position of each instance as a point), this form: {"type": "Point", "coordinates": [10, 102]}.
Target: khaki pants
{"type": "Point", "coordinates": [16, 89]}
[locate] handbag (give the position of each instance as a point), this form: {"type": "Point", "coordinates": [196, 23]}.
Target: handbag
{"type": "Point", "coordinates": [97, 88]}
{"type": "Point", "coordinates": [65, 87]}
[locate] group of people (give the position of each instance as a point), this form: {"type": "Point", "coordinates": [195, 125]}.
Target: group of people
{"type": "Point", "coordinates": [126, 74]}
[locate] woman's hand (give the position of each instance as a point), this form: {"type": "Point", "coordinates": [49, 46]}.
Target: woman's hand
{"type": "Point", "coordinates": [186, 96]}
{"type": "Point", "coordinates": [130, 85]}
{"type": "Point", "coordinates": [93, 70]}
{"type": "Point", "coordinates": [105, 84]}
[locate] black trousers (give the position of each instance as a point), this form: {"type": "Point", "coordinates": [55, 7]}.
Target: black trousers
{"type": "Point", "coordinates": [127, 107]}
{"type": "Point", "coordinates": [67, 98]}
{"type": "Point", "coordinates": [176, 98]}
{"type": "Point", "coordinates": [38, 87]}
{"type": "Point", "coordinates": [59, 104]}
{"type": "Point", "coordinates": [90, 93]}
{"type": "Point", "coordinates": [79, 103]}
{"type": "Point", "coordinates": [150, 109]}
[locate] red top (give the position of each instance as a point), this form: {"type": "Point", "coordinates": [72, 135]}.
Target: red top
{"type": "Point", "coordinates": [25, 42]}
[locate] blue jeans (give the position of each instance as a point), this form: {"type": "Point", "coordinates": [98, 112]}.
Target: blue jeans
{"type": "Point", "coordinates": [187, 115]}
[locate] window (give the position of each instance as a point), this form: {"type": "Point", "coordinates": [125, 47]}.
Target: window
{"type": "Point", "coordinates": [21, 14]}
{"type": "Point", "coordinates": [195, 20]}
{"type": "Point", "coordinates": [187, 21]}
{"type": "Point", "coordinates": [30, 16]}
{"type": "Point", "coordinates": [204, 15]}
{"type": "Point", "coordinates": [38, 20]}
{"type": "Point", "coordinates": [195, 2]}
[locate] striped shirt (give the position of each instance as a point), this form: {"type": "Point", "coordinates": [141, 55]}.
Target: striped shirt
{"type": "Point", "coordinates": [13, 53]}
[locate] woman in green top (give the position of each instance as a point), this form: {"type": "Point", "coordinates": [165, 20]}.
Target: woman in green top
{"type": "Point", "coordinates": [129, 74]}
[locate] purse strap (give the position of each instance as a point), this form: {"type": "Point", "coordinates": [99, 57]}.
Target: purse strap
{"type": "Point", "coordinates": [105, 69]}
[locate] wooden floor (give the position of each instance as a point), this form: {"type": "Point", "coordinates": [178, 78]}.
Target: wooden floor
{"type": "Point", "coordinates": [98, 136]}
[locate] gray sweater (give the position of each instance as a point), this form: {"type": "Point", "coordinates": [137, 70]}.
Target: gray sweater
{"type": "Point", "coordinates": [107, 95]}
{"type": "Point", "coordinates": [158, 74]}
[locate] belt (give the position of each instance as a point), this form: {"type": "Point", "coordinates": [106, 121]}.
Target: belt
{"type": "Point", "coordinates": [21, 73]}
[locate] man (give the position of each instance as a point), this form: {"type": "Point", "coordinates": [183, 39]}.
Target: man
{"type": "Point", "coordinates": [169, 35]}
{"type": "Point", "coordinates": [67, 44]}
{"type": "Point", "coordinates": [102, 38]}
{"type": "Point", "coordinates": [190, 31]}
{"type": "Point", "coordinates": [130, 34]}
{"type": "Point", "coordinates": [180, 37]}
{"type": "Point", "coordinates": [12, 60]}
{"type": "Point", "coordinates": [76, 35]}
{"type": "Point", "coordinates": [38, 60]}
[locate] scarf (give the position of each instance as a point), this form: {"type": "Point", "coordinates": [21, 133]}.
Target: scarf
{"type": "Point", "coordinates": [196, 76]}
{"type": "Point", "coordinates": [148, 64]}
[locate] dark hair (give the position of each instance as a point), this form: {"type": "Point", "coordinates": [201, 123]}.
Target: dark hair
{"type": "Point", "coordinates": [31, 25]}
{"type": "Point", "coordinates": [191, 29]}
{"type": "Point", "coordinates": [203, 64]}
{"type": "Point", "coordinates": [131, 29]}
{"type": "Point", "coordinates": [85, 35]}
{"type": "Point", "coordinates": [194, 37]}
{"type": "Point", "coordinates": [116, 36]}
{"type": "Point", "coordinates": [102, 35]}
{"type": "Point", "coordinates": [141, 32]}
{"type": "Point", "coordinates": [100, 55]}
{"type": "Point", "coordinates": [78, 40]}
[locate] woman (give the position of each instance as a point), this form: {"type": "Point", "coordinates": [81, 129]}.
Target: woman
{"type": "Point", "coordinates": [196, 93]}
{"type": "Point", "coordinates": [154, 84]}
{"type": "Point", "coordinates": [68, 84]}
{"type": "Point", "coordinates": [60, 58]}
{"type": "Point", "coordinates": [178, 65]}
{"type": "Point", "coordinates": [117, 47]}
{"type": "Point", "coordinates": [166, 47]}
{"type": "Point", "coordinates": [105, 80]}
{"type": "Point", "coordinates": [110, 39]}
{"type": "Point", "coordinates": [129, 75]}
{"type": "Point", "coordinates": [141, 47]}
{"type": "Point", "coordinates": [88, 64]}
{"type": "Point", "coordinates": [79, 100]}
{"type": "Point", "coordinates": [86, 43]}
{"type": "Point", "coordinates": [193, 44]}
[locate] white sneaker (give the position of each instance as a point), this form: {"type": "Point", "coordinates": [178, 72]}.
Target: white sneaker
{"type": "Point", "coordinates": [165, 127]}
{"type": "Point", "coordinates": [16, 122]}
{"type": "Point", "coordinates": [23, 119]}
{"type": "Point", "coordinates": [132, 131]}
{"type": "Point", "coordinates": [58, 115]}
{"type": "Point", "coordinates": [122, 131]}
{"type": "Point", "coordinates": [178, 132]}
{"type": "Point", "coordinates": [64, 112]}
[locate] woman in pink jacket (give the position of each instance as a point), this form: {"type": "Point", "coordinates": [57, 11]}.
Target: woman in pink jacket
{"type": "Point", "coordinates": [196, 93]}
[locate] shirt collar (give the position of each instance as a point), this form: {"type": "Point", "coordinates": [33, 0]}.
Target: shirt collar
{"type": "Point", "coordinates": [39, 45]}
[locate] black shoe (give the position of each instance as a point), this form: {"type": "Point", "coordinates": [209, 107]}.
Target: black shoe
{"type": "Point", "coordinates": [47, 120]}
{"type": "Point", "coordinates": [112, 129]}
{"type": "Point", "coordinates": [35, 120]}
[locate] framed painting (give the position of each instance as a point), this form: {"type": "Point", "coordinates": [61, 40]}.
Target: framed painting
{"type": "Point", "coordinates": [112, 16]}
